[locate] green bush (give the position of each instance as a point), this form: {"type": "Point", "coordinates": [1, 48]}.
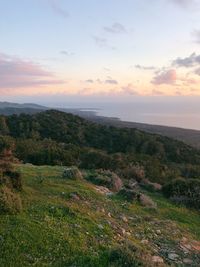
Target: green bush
{"type": "Point", "coordinates": [135, 172]}
{"type": "Point", "coordinates": [10, 202]}
{"type": "Point", "coordinates": [124, 255]}
{"type": "Point", "coordinates": [72, 173]}
{"type": "Point", "coordinates": [183, 191]}
{"type": "Point", "coordinates": [15, 180]}
{"type": "Point", "coordinates": [106, 178]}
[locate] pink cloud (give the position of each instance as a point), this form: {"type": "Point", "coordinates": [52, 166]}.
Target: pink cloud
{"type": "Point", "coordinates": [17, 73]}
{"type": "Point", "coordinates": [165, 77]}
{"type": "Point", "coordinates": [129, 89]}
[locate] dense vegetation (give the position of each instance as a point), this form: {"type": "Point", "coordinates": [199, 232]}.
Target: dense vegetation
{"type": "Point", "coordinates": [57, 138]}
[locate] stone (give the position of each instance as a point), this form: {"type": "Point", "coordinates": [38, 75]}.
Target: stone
{"type": "Point", "coordinates": [157, 259]}
{"type": "Point", "coordinates": [158, 232]}
{"type": "Point", "coordinates": [132, 184]}
{"type": "Point", "coordinates": [156, 186]}
{"type": "Point", "coordinates": [145, 241]}
{"type": "Point", "coordinates": [100, 226]}
{"type": "Point", "coordinates": [123, 231]}
{"type": "Point", "coordinates": [74, 196]}
{"type": "Point", "coordinates": [187, 261]}
{"type": "Point", "coordinates": [123, 218]}
{"type": "Point", "coordinates": [173, 256]}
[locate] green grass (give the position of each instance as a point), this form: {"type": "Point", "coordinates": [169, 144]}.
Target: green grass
{"type": "Point", "coordinates": [56, 230]}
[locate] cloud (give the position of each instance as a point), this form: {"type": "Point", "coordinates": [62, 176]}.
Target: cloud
{"type": "Point", "coordinates": [183, 3]}
{"type": "Point", "coordinates": [111, 81]}
{"type": "Point", "coordinates": [86, 91]}
{"type": "Point", "coordinates": [89, 81]}
{"type": "Point", "coordinates": [187, 62]}
{"type": "Point", "coordinates": [55, 5]}
{"type": "Point", "coordinates": [66, 53]}
{"type": "Point", "coordinates": [102, 42]}
{"type": "Point", "coordinates": [157, 92]}
{"type": "Point", "coordinates": [196, 35]}
{"type": "Point", "coordinates": [17, 73]}
{"type": "Point", "coordinates": [115, 28]}
{"type": "Point", "coordinates": [165, 77]}
{"type": "Point", "coordinates": [129, 89]}
{"type": "Point", "coordinates": [145, 67]}
{"type": "Point", "coordinates": [197, 71]}
{"type": "Point", "coordinates": [189, 81]}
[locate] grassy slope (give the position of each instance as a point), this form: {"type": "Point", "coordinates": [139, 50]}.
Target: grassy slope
{"type": "Point", "coordinates": [57, 230]}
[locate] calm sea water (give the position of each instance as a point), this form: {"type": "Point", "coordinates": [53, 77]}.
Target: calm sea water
{"type": "Point", "coordinates": [177, 114]}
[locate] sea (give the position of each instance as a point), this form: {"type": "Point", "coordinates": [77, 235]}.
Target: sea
{"type": "Point", "coordinates": [181, 114]}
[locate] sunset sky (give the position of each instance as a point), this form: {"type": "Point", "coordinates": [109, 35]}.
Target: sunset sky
{"type": "Point", "coordinates": [57, 49]}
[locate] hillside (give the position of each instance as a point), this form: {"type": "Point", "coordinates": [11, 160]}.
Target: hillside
{"type": "Point", "coordinates": [77, 193]}
{"type": "Point", "coordinates": [54, 137]}
{"type": "Point", "coordinates": [188, 136]}
{"type": "Point", "coordinates": [70, 223]}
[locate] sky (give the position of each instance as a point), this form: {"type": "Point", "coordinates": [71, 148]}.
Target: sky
{"type": "Point", "coordinates": [116, 50]}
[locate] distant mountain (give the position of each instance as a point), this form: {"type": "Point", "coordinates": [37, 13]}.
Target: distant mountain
{"type": "Point", "coordinates": [7, 108]}
{"type": "Point", "coordinates": [4, 105]}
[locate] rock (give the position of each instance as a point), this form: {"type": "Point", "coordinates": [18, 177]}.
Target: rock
{"type": "Point", "coordinates": [128, 233]}
{"type": "Point", "coordinates": [123, 218]}
{"type": "Point", "coordinates": [123, 231]}
{"type": "Point", "coordinates": [109, 194]}
{"type": "Point", "coordinates": [173, 256]}
{"type": "Point", "coordinates": [157, 259]}
{"type": "Point", "coordinates": [156, 186]}
{"type": "Point", "coordinates": [100, 226]}
{"type": "Point", "coordinates": [158, 232]}
{"type": "Point", "coordinates": [145, 241]}
{"type": "Point", "coordinates": [74, 196]}
{"type": "Point", "coordinates": [187, 261]}
{"type": "Point", "coordinates": [196, 245]}
{"type": "Point", "coordinates": [146, 201]}
{"type": "Point", "coordinates": [103, 190]}
{"type": "Point", "coordinates": [132, 184]}
{"type": "Point", "coordinates": [184, 240]}
{"type": "Point", "coordinates": [103, 210]}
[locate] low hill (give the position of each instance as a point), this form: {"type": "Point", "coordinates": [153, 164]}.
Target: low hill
{"type": "Point", "coordinates": [53, 137]}
{"type": "Point", "coordinates": [4, 105]}
{"type": "Point", "coordinates": [189, 136]}
{"type": "Point", "coordinates": [71, 223]}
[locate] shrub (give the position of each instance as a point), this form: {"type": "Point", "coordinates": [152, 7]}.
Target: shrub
{"type": "Point", "coordinates": [129, 194]}
{"type": "Point", "coordinates": [124, 255]}
{"type": "Point", "coordinates": [95, 159]}
{"type": "Point", "coordinates": [134, 172]}
{"type": "Point", "coordinates": [183, 191]}
{"type": "Point", "coordinates": [106, 178]}
{"type": "Point", "coordinates": [15, 180]}
{"type": "Point", "coordinates": [10, 202]}
{"type": "Point", "coordinates": [72, 173]}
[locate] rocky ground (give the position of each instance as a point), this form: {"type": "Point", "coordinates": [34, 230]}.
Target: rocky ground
{"type": "Point", "coordinates": [68, 222]}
